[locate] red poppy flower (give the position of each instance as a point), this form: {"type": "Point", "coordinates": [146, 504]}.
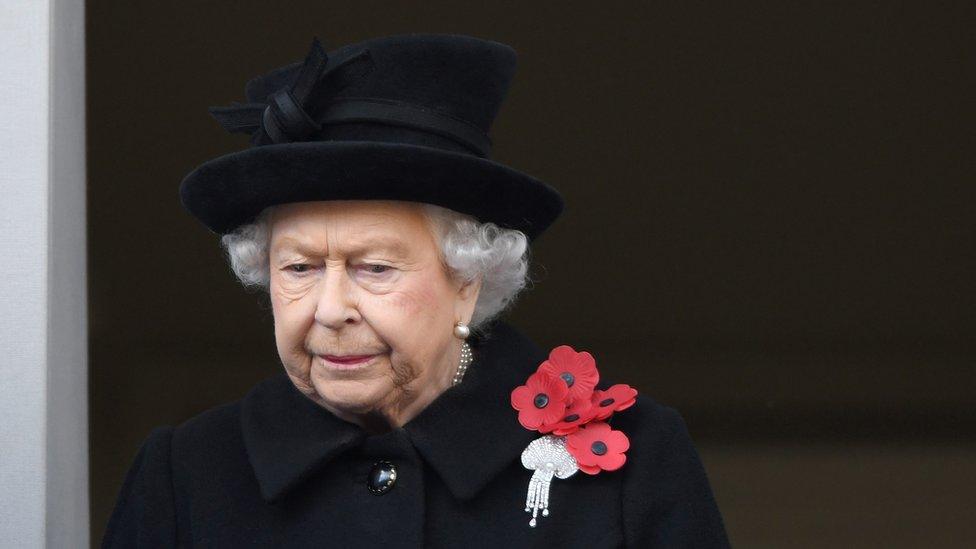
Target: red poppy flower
{"type": "Point", "coordinates": [541, 400]}
{"type": "Point", "coordinates": [578, 370]}
{"type": "Point", "coordinates": [577, 413]}
{"type": "Point", "coordinates": [597, 447]}
{"type": "Point", "coordinates": [618, 397]}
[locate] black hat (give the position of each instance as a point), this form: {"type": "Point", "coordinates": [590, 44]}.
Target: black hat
{"type": "Point", "coordinates": [402, 117]}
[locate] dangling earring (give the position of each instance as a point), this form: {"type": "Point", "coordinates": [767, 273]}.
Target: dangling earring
{"type": "Point", "coordinates": [461, 330]}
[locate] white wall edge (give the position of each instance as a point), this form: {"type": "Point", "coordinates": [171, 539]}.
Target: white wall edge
{"type": "Point", "coordinates": [43, 283]}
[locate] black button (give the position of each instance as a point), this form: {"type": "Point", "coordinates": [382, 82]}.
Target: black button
{"type": "Point", "coordinates": [381, 477]}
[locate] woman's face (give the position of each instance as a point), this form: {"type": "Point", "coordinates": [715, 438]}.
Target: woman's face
{"type": "Point", "coordinates": [365, 278]}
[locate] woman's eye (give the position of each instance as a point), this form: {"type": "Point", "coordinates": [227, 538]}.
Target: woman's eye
{"type": "Point", "coordinates": [299, 268]}
{"type": "Point", "coordinates": [376, 268]}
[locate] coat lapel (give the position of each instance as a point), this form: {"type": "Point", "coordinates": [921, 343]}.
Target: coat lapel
{"type": "Point", "coordinates": [288, 437]}
{"type": "Point", "coordinates": [471, 433]}
{"type": "Point", "coordinates": [468, 435]}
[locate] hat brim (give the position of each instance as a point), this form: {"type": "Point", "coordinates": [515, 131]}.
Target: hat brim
{"type": "Point", "coordinates": [230, 190]}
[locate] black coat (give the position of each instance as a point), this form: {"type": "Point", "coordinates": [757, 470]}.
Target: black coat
{"type": "Point", "coordinates": [276, 470]}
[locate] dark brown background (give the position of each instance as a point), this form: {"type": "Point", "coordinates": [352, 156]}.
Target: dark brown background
{"type": "Point", "coordinates": [769, 227]}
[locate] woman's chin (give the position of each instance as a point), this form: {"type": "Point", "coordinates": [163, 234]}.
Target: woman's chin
{"type": "Point", "coordinates": [347, 396]}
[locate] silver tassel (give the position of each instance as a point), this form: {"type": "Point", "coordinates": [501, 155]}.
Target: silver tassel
{"type": "Point", "coordinates": [546, 457]}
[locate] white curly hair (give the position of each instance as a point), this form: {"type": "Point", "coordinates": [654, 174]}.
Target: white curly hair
{"type": "Point", "coordinates": [469, 249]}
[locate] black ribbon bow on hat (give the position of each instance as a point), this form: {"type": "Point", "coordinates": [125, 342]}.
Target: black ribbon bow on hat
{"type": "Point", "coordinates": [289, 112]}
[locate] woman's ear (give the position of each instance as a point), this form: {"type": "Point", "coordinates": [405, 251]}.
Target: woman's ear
{"type": "Point", "coordinates": [469, 290]}
{"type": "Point", "coordinates": [467, 298]}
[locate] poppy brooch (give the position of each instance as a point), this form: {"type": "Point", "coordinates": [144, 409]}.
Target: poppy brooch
{"type": "Point", "coordinates": [561, 401]}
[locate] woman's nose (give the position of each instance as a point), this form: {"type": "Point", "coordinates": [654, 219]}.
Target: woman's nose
{"type": "Point", "coordinates": [336, 306]}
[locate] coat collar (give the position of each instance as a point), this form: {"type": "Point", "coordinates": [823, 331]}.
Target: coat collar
{"type": "Point", "coordinates": [468, 434]}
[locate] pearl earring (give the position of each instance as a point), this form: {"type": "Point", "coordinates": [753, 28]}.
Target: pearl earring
{"type": "Point", "coordinates": [466, 358]}
{"type": "Point", "coordinates": [461, 330]}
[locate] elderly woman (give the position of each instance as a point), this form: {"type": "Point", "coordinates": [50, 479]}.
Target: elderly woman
{"type": "Point", "coordinates": [407, 413]}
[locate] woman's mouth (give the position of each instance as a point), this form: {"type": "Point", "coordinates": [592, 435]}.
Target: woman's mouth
{"type": "Point", "coordinates": [346, 362]}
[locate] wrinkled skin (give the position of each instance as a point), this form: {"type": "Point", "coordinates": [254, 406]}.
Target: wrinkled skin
{"type": "Point", "coordinates": [363, 277]}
